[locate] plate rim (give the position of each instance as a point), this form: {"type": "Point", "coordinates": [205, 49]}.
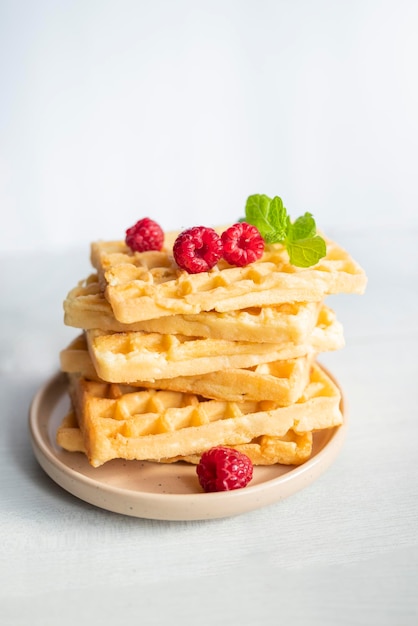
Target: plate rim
{"type": "Point", "coordinates": [175, 506]}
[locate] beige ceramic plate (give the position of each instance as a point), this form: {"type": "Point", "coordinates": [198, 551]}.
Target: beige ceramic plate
{"type": "Point", "coordinates": [158, 491]}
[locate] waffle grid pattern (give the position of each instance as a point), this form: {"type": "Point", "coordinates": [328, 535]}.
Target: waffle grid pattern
{"type": "Point", "coordinates": [150, 285]}
{"type": "Point", "coordinates": [86, 307]}
{"type": "Point", "coordinates": [123, 422]}
{"type": "Point", "coordinates": [291, 449]}
{"type": "Point", "coordinates": [282, 381]}
{"type": "Point", "coordinates": [135, 356]}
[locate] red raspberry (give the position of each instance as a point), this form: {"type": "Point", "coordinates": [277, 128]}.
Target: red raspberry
{"type": "Point", "coordinates": [223, 469]}
{"type": "Point", "coordinates": [145, 235]}
{"type": "Point", "coordinates": [197, 249]}
{"type": "Point", "coordinates": [243, 244]}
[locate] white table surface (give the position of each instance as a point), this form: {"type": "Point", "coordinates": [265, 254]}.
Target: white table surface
{"type": "Point", "coordinates": [342, 551]}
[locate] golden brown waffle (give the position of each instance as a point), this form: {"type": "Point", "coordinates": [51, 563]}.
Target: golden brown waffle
{"type": "Point", "coordinates": [291, 449]}
{"type": "Point", "coordinates": [149, 285]}
{"type": "Point", "coordinates": [86, 307]}
{"type": "Point", "coordinates": [75, 359]}
{"type": "Point", "coordinates": [133, 356]}
{"type": "Point", "coordinates": [69, 435]}
{"type": "Point", "coordinates": [282, 381]}
{"type": "Point", "coordinates": [123, 422]}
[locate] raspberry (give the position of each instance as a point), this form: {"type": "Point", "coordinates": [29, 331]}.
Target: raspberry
{"type": "Point", "coordinates": [223, 469]}
{"type": "Point", "coordinates": [145, 235]}
{"type": "Point", "coordinates": [197, 249]}
{"type": "Point", "coordinates": [243, 244]}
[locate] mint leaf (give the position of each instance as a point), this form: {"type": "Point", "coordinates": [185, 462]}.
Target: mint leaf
{"type": "Point", "coordinates": [302, 228]}
{"type": "Point", "coordinates": [279, 217]}
{"type": "Point", "coordinates": [304, 246]}
{"type": "Point", "coordinates": [257, 212]}
{"type": "Point", "coordinates": [269, 216]}
{"type": "Point", "coordinates": [306, 252]}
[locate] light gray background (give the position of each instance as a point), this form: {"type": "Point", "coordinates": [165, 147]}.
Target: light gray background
{"type": "Point", "coordinates": [114, 110]}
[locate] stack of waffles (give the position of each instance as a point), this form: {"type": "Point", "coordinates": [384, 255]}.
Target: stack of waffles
{"type": "Point", "coordinates": [169, 364]}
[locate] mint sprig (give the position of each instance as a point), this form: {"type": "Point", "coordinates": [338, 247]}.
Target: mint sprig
{"type": "Point", "coordinates": [304, 246]}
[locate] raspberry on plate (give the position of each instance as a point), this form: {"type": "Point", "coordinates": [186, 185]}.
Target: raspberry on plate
{"type": "Point", "coordinates": [242, 244]}
{"type": "Point", "coordinates": [197, 249]}
{"type": "Point", "coordinates": [223, 469]}
{"type": "Point", "coordinates": [145, 235]}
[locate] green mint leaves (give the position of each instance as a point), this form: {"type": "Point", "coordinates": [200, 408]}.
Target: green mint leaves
{"type": "Point", "coordinates": [269, 216]}
{"type": "Point", "coordinates": [304, 246]}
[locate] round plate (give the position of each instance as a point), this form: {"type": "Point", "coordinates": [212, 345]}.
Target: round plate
{"type": "Point", "coordinates": [162, 491]}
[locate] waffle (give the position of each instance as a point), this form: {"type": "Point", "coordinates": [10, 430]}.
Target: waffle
{"type": "Point", "coordinates": [291, 449]}
{"type": "Point", "coordinates": [86, 307]}
{"type": "Point", "coordinates": [75, 359]}
{"type": "Point", "coordinates": [282, 381]}
{"type": "Point", "coordinates": [134, 356]}
{"type": "Point", "coordinates": [120, 421]}
{"type": "Point", "coordinates": [69, 435]}
{"type": "Point", "coordinates": [148, 285]}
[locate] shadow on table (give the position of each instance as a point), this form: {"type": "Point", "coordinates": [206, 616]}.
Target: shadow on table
{"type": "Point", "coordinates": [27, 483]}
